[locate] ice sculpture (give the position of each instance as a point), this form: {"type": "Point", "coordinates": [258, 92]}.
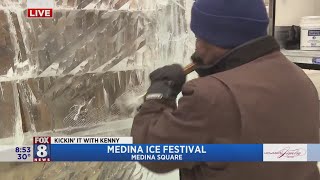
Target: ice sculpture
{"type": "Point", "coordinates": [62, 76]}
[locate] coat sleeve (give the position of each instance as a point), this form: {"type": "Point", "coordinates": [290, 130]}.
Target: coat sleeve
{"type": "Point", "coordinates": [161, 123]}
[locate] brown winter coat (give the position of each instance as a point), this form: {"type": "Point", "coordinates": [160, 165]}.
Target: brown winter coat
{"type": "Point", "coordinates": [253, 95]}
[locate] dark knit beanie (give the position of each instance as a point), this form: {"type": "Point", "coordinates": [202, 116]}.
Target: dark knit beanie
{"type": "Point", "coordinates": [229, 23]}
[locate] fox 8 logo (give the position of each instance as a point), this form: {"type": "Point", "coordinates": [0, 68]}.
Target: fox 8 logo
{"type": "Point", "coordinates": [41, 149]}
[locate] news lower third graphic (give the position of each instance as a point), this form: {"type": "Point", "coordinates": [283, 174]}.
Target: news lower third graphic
{"type": "Point", "coordinates": [77, 149]}
{"type": "Point", "coordinates": [40, 8]}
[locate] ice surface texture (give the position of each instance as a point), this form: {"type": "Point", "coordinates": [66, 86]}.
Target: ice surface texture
{"type": "Point", "coordinates": [62, 76]}
{"type": "Point", "coordinates": [69, 71]}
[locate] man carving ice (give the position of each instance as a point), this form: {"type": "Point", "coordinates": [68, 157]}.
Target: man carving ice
{"type": "Point", "coordinates": [247, 92]}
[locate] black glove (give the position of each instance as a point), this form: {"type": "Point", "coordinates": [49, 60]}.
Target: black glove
{"type": "Point", "coordinates": [166, 82]}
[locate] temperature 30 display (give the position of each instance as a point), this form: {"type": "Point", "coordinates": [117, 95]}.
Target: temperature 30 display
{"type": "Point", "coordinates": [23, 153]}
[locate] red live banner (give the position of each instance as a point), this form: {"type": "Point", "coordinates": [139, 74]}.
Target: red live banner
{"type": "Point", "coordinates": [40, 13]}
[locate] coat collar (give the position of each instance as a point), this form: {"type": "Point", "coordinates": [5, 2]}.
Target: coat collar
{"type": "Point", "coordinates": [241, 55]}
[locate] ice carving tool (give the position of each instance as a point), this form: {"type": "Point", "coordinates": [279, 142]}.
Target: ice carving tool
{"type": "Point", "coordinates": [189, 68]}
{"type": "Point", "coordinates": [131, 104]}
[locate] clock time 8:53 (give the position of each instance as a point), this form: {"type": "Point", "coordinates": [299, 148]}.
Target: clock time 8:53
{"type": "Point", "coordinates": [23, 153]}
{"type": "Point", "coordinates": [23, 149]}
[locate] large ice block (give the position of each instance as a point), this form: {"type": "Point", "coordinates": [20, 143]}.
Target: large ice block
{"type": "Point", "coordinates": [51, 103]}
{"type": "Point", "coordinates": [75, 42]}
{"type": "Point", "coordinates": [94, 40]}
{"type": "Point", "coordinates": [47, 58]}
{"type": "Point", "coordinates": [71, 75]}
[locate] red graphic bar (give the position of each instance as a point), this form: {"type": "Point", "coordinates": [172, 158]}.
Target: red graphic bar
{"type": "Point", "coordinates": [40, 13]}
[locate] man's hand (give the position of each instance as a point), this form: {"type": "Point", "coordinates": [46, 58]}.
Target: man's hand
{"type": "Point", "coordinates": [166, 82]}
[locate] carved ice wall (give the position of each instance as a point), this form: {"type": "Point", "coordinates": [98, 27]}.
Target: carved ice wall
{"type": "Point", "coordinates": [62, 76]}
{"type": "Point", "coordinates": [83, 59]}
